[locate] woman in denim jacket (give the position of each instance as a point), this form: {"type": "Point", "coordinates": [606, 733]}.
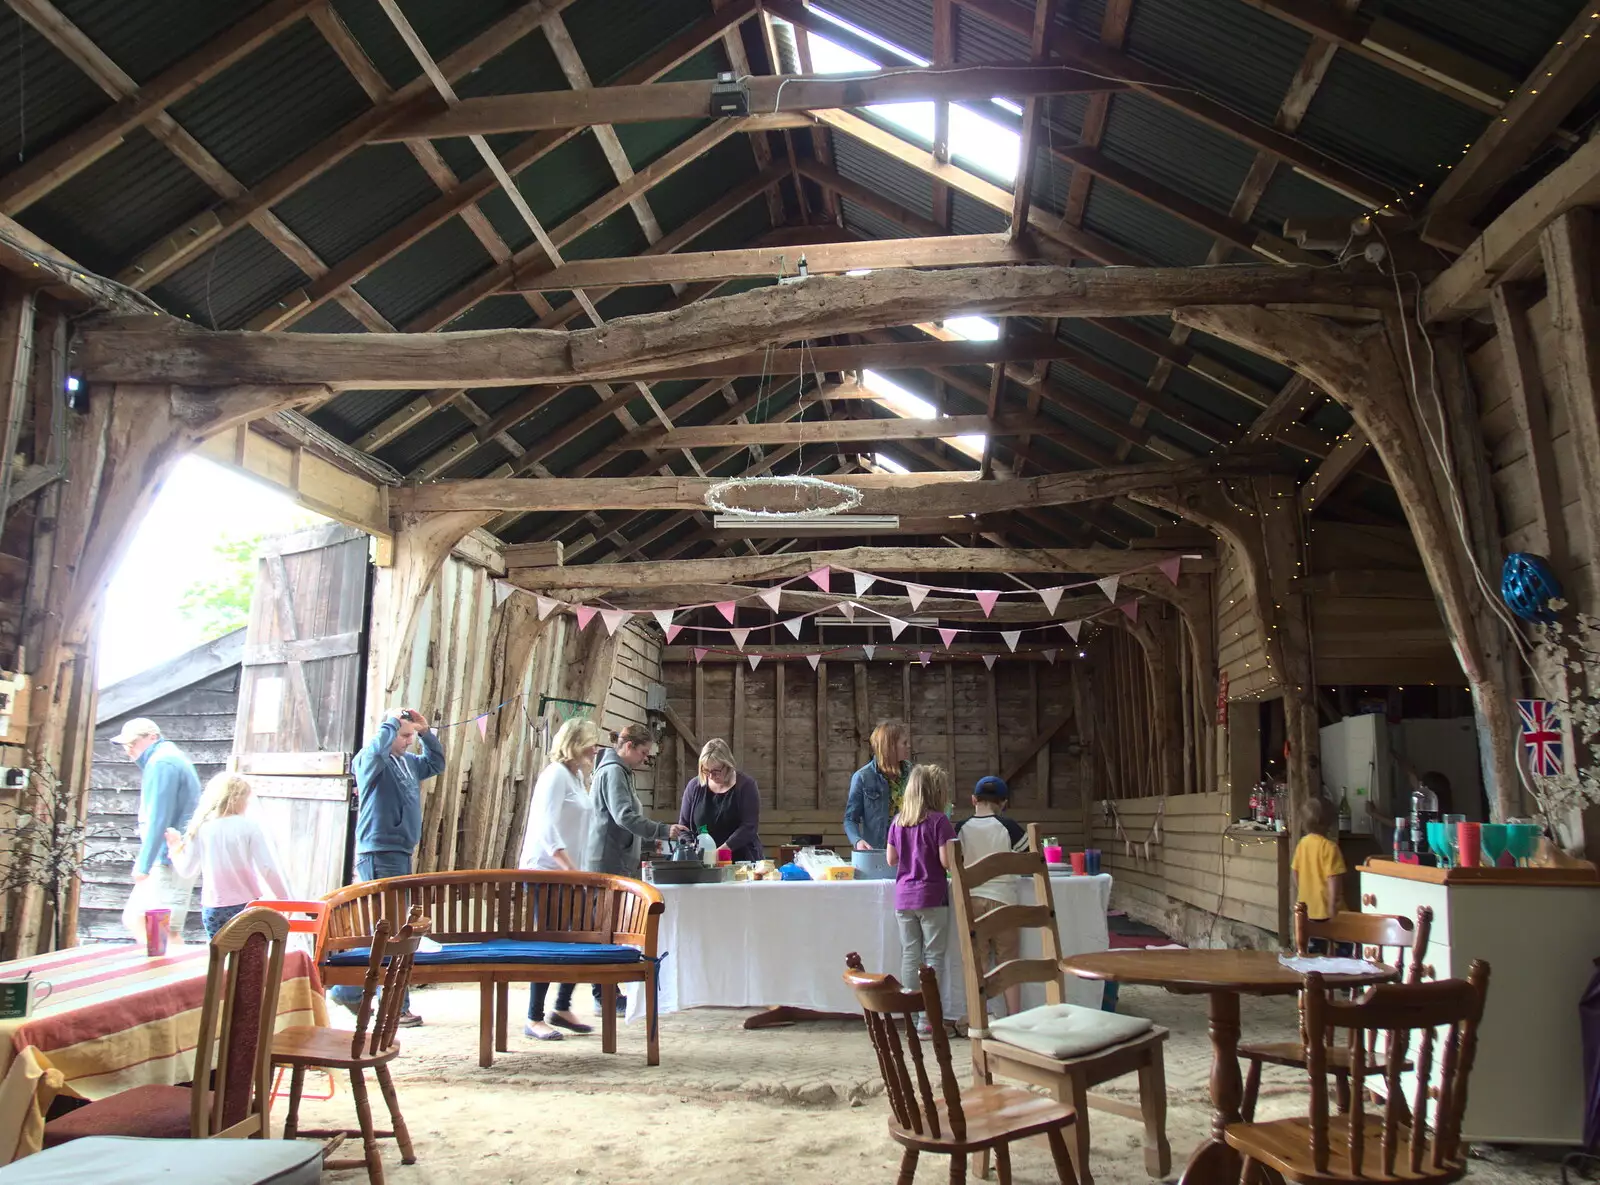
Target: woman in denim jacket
{"type": "Point", "coordinates": [875, 787]}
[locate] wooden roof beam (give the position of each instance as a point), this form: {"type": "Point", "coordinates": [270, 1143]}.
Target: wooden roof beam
{"type": "Point", "coordinates": [142, 351]}
{"type": "Point", "coordinates": [1044, 19]}
{"type": "Point", "coordinates": [1562, 79]}
{"type": "Point", "coordinates": [1341, 462]}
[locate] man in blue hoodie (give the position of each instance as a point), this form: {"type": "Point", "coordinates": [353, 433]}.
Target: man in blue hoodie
{"type": "Point", "coordinates": [169, 790]}
{"type": "Point", "coordinates": [389, 815]}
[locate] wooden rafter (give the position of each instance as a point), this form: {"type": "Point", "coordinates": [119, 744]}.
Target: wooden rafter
{"type": "Point", "coordinates": [1346, 455]}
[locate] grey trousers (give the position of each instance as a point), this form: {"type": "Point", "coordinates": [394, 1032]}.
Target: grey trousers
{"type": "Point", "coordinates": [923, 933]}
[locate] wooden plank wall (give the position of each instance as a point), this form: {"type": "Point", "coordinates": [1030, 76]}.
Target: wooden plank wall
{"type": "Point", "coordinates": [961, 715]}
{"type": "Point", "coordinates": [1194, 864]}
{"type": "Point", "coordinates": [199, 719]}
{"type": "Point", "coordinates": [1241, 651]}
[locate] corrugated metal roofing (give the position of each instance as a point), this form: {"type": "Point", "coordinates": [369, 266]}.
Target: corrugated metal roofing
{"type": "Point", "coordinates": [357, 200]}
{"type": "Point", "coordinates": [44, 97]}
{"type": "Point", "coordinates": [120, 204]}
{"type": "Point", "coordinates": [1511, 34]}
{"type": "Point", "coordinates": [144, 39]}
{"type": "Point", "coordinates": [224, 288]}
{"type": "Point", "coordinates": [613, 35]}
{"type": "Point", "coordinates": [883, 175]}
{"type": "Point", "coordinates": [427, 271]}
{"type": "Point", "coordinates": [1147, 231]}
{"type": "Point", "coordinates": [1178, 152]}
{"type": "Point", "coordinates": [351, 413]}
{"type": "Point", "coordinates": [442, 27]}
{"type": "Point", "coordinates": [327, 318]}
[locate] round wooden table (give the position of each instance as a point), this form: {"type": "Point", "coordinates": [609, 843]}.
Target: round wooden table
{"type": "Point", "coordinates": [1224, 976]}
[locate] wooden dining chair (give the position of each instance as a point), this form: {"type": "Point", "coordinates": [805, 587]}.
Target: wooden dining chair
{"type": "Point", "coordinates": [383, 996]}
{"type": "Point", "coordinates": [1062, 1047]}
{"type": "Point", "coordinates": [233, 1051]}
{"type": "Point", "coordinates": [955, 1123]}
{"type": "Point", "coordinates": [1384, 938]}
{"type": "Point", "coordinates": [314, 924]}
{"type": "Point", "coordinates": [1387, 1146]}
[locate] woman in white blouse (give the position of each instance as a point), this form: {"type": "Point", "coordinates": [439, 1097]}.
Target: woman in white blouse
{"type": "Point", "coordinates": [558, 826]}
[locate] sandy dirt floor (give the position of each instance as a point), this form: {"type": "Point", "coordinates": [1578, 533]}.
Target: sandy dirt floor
{"type": "Point", "coordinates": [729, 1107]}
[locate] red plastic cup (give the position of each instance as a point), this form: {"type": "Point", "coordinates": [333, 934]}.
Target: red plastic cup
{"type": "Point", "coordinates": [1080, 864]}
{"type": "Point", "coordinates": [1469, 848]}
{"type": "Point", "coordinates": [155, 931]}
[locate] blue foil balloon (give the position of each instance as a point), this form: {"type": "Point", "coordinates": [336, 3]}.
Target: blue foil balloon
{"type": "Point", "coordinates": [1528, 585]}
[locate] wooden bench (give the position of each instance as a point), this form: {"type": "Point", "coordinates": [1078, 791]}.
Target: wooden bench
{"type": "Point", "coordinates": [500, 926]}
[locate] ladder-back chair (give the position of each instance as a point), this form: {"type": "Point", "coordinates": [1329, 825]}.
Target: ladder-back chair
{"type": "Point", "coordinates": [371, 1046]}
{"type": "Point", "coordinates": [954, 1122]}
{"type": "Point", "coordinates": [1386, 1146]}
{"type": "Point", "coordinates": [232, 1056]}
{"type": "Point", "coordinates": [1385, 938]}
{"type": "Point", "coordinates": [1126, 1044]}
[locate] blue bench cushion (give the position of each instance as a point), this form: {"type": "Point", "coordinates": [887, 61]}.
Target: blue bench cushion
{"type": "Point", "coordinates": [563, 954]}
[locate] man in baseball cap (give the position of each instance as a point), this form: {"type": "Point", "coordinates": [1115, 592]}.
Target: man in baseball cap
{"type": "Point", "coordinates": [169, 789]}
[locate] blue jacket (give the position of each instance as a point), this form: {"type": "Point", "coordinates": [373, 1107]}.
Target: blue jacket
{"type": "Point", "coordinates": [868, 809]}
{"type": "Point", "coordinates": [389, 818]}
{"type": "Point", "coordinates": [169, 790]}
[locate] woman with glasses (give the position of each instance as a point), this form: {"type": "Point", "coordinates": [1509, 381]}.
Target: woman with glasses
{"type": "Point", "coordinates": [723, 801]}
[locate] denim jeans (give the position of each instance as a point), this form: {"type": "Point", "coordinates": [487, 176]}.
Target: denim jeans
{"type": "Point", "coordinates": [217, 916]}
{"type": "Point", "coordinates": [538, 992]}
{"type": "Point", "coordinates": [372, 866]}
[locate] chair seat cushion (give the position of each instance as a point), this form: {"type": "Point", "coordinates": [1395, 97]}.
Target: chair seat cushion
{"type": "Point", "coordinates": [159, 1112]}
{"type": "Point", "coordinates": [1066, 1031]}
{"type": "Point", "coordinates": [561, 954]}
{"type": "Point", "coordinates": [120, 1161]}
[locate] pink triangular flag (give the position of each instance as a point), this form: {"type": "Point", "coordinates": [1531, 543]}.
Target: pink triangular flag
{"type": "Point", "coordinates": [793, 626]}
{"type": "Point", "coordinates": [673, 631]}
{"type": "Point", "coordinates": [772, 596]}
{"type": "Point", "coordinates": [483, 725]}
{"type": "Point", "coordinates": [924, 657]}
{"type": "Point", "coordinates": [1051, 597]}
{"type": "Point", "coordinates": [726, 609]}
{"type": "Point", "coordinates": [1072, 627]}
{"type": "Point", "coordinates": [613, 618]}
{"type": "Point", "coordinates": [739, 637]}
{"type": "Point", "coordinates": [1011, 638]}
{"type": "Point", "coordinates": [755, 660]}
{"type": "Point", "coordinates": [663, 618]}
{"type": "Point", "coordinates": [545, 606]}
{"type": "Point", "coordinates": [863, 582]}
{"type": "Point", "coordinates": [1131, 608]}
{"type": "Point", "coordinates": [948, 636]}
{"type": "Point", "coordinates": [987, 598]}
{"type": "Point", "coordinates": [1171, 568]}
{"type": "Point", "coordinates": [848, 608]}
{"type": "Point", "coordinates": [700, 654]}
{"type": "Point", "coordinates": [988, 661]}
{"type": "Point", "coordinates": [1050, 656]}
{"type": "Point", "coordinates": [869, 651]}
{"type": "Point", "coordinates": [585, 615]}
{"type": "Point", "coordinates": [813, 659]}
{"type": "Point", "coordinates": [1108, 585]}
{"type": "Point", "coordinates": [820, 577]}
{"type": "Point", "coordinates": [895, 626]}
{"type": "Point", "coordinates": [916, 592]}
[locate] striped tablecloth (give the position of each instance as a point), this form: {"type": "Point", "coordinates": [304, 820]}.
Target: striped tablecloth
{"type": "Point", "coordinates": [118, 1018]}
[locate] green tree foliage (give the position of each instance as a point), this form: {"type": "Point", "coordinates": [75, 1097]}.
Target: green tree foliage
{"type": "Point", "coordinates": [217, 600]}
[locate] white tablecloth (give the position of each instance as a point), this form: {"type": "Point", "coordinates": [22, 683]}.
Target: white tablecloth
{"type": "Point", "coordinates": [756, 944]}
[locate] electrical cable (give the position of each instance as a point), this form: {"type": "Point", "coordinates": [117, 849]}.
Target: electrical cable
{"type": "Point", "coordinates": [119, 296]}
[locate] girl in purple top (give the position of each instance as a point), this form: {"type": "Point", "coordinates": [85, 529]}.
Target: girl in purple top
{"type": "Point", "coordinates": [916, 850]}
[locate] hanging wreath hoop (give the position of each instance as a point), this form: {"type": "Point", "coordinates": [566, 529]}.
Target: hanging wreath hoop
{"type": "Point", "coordinates": [798, 486]}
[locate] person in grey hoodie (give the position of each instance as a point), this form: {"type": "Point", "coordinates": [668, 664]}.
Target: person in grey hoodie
{"type": "Point", "coordinates": [389, 779]}
{"type": "Point", "coordinates": [620, 825]}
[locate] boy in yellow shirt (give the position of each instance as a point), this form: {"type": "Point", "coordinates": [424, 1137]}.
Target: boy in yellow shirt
{"type": "Point", "coordinates": [1318, 868]}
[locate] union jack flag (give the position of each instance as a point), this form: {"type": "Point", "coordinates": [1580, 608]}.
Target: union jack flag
{"type": "Point", "coordinates": [1541, 734]}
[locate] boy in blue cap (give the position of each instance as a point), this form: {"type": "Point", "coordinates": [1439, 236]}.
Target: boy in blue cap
{"type": "Point", "coordinates": [983, 833]}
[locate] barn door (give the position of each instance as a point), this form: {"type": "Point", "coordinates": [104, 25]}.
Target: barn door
{"type": "Point", "coordinates": [299, 697]}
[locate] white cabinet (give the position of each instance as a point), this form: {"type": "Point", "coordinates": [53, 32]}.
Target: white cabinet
{"type": "Point", "coordinates": [1539, 931]}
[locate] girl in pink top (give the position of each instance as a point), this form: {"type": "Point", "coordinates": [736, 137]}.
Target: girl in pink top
{"type": "Point", "coordinates": [916, 851]}
{"type": "Point", "coordinates": [229, 850]}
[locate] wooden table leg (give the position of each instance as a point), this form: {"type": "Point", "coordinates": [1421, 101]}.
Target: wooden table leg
{"type": "Point", "coordinates": [486, 1023]}
{"type": "Point", "coordinates": [1213, 1162]}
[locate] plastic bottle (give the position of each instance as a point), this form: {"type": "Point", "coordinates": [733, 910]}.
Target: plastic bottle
{"type": "Point", "coordinates": [708, 848]}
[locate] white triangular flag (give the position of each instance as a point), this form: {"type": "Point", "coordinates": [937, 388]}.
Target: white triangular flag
{"type": "Point", "coordinates": [1050, 656]}
{"type": "Point", "coordinates": [896, 626]}
{"type": "Point", "coordinates": [988, 661]}
{"type": "Point", "coordinates": [793, 626]}
{"type": "Point", "coordinates": [755, 660]}
{"type": "Point", "coordinates": [1073, 628]}
{"type": "Point", "coordinates": [663, 618]}
{"type": "Point", "coordinates": [863, 582]}
{"type": "Point", "coordinates": [1108, 585]}
{"type": "Point", "coordinates": [869, 651]}
{"type": "Point", "coordinates": [813, 659]}
{"type": "Point", "coordinates": [545, 606]}
{"type": "Point", "coordinates": [1011, 637]}
{"type": "Point", "coordinates": [613, 618]}
{"type": "Point", "coordinates": [1051, 597]}
{"type": "Point", "coordinates": [502, 590]}
{"type": "Point", "coordinates": [772, 596]}
{"type": "Point", "coordinates": [916, 592]}
{"type": "Point", "coordinates": [739, 636]}
{"type": "Point", "coordinates": [848, 608]}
